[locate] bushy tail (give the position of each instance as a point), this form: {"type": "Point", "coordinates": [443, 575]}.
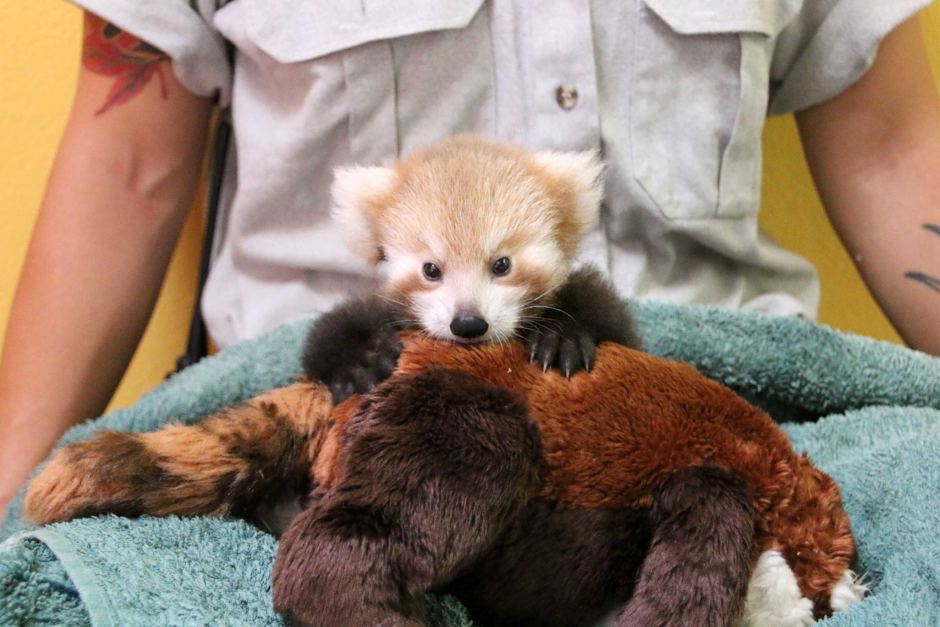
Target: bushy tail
{"type": "Point", "coordinates": [813, 533]}
{"type": "Point", "coordinates": [228, 464]}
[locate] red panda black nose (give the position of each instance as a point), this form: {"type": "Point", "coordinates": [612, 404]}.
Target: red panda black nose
{"type": "Point", "coordinates": [468, 326]}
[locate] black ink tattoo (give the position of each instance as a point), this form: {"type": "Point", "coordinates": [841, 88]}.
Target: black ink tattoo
{"type": "Point", "coordinates": [930, 281]}
{"type": "Point", "coordinates": [933, 228]}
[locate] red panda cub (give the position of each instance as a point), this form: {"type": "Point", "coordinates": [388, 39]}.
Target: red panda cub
{"type": "Point", "coordinates": [475, 241]}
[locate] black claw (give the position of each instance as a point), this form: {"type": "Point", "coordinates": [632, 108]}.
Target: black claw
{"type": "Point", "coordinates": [569, 356]}
{"type": "Point", "coordinates": [588, 350]}
{"type": "Point", "coordinates": [569, 349]}
{"type": "Point", "coordinates": [548, 349]}
{"type": "Point", "coordinates": [532, 346]}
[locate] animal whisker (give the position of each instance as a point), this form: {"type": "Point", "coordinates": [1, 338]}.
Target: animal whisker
{"type": "Point", "coordinates": [551, 308]}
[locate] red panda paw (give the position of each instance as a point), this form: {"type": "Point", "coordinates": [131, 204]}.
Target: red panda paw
{"type": "Point", "coordinates": [567, 350]}
{"type": "Point", "coordinates": [360, 373]}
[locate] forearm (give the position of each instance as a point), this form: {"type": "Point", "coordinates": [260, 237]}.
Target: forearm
{"type": "Point", "coordinates": [874, 152]}
{"type": "Point", "coordinates": [91, 276]}
{"type": "Point", "coordinates": [883, 216]}
{"type": "Point", "coordinates": [115, 201]}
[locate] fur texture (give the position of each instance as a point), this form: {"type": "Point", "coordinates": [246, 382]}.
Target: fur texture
{"type": "Point", "coordinates": [229, 464]}
{"type": "Point", "coordinates": [356, 346]}
{"type": "Point", "coordinates": [697, 568]}
{"type": "Point", "coordinates": [476, 240]}
{"type": "Point", "coordinates": [405, 512]}
{"type": "Point", "coordinates": [773, 596]}
{"type": "Point", "coordinates": [535, 499]}
{"type": "Point", "coordinates": [644, 419]}
{"type": "Point", "coordinates": [586, 312]}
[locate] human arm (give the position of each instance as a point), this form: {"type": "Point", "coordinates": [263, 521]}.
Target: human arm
{"type": "Point", "coordinates": [114, 204]}
{"type": "Point", "coordinates": [874, 152]}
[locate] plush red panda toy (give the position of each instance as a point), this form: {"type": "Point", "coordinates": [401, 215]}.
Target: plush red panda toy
{"type": "Point", "coordinates": [593, 481]}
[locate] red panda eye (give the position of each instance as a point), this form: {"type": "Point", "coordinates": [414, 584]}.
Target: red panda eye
{"type": "Point", "coordinates": [431, 271]}
{"type": "Point", "coordinates": [501, 266]}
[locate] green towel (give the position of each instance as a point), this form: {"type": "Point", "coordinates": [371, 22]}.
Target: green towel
{"type": "Point", "coordinates": [877, 434]}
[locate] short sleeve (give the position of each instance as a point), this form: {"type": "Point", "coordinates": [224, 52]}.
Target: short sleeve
{"type": "Point", "coordinates": [828, 46]}
{"type": "Point", "coordinates": [183, 30]}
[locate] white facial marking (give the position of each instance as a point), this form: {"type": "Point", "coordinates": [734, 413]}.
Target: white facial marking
{"type": "Point", "coordinates": [401, 263]}
{"type": "Point", "coordinates": [583, 174]}
{"type": "Point", "coordinates": [545, 254]}
{"type": "Point", "coordinates": [773, 595]}
{"type": "Point", "coordinates": [462, 289]}
{"type": "Point", "coordinates": [433, 314]}
{"type": "Point", "coordinates": [501, 306]}
{"type": "Point", "coordinates": [352, 190]}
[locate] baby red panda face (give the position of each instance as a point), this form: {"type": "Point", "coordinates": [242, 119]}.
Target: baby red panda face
{"type": "Point", "coordinates": [472, 236]}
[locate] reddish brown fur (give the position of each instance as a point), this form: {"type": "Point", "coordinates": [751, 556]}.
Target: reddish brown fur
{"type": "Point", "coordinates": [642, 419]}
{"type": "Point", "coordinates": [181, 469]}
{"type": "Point", "coordinates": [612, 437]}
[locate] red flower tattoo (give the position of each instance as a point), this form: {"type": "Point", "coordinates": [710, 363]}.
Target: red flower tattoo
{"type": "Point", "coordinates": [110, 51]}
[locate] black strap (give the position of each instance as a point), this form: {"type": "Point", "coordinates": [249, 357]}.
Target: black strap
{"type": "Point", "coordinates": [197, 343]}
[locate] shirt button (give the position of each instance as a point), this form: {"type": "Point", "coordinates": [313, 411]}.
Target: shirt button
{"type": "Point", "coordinates": [566, 96]}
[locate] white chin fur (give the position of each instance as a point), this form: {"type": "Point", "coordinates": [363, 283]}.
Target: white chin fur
{"type": "Point", "coordinates": [499, 307]}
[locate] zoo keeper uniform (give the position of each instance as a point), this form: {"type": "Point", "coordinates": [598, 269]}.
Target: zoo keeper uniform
{"type": "Point", "coordinates": [673, 93]}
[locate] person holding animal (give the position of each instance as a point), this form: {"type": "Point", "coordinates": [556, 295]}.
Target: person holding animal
{"type": "Point", "coordinates": [673, 96]}
{"type": "Point", "coordinates": [637, 483]}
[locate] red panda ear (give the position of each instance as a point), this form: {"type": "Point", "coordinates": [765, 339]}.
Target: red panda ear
{"type": "Point", "coordinates": [359, 194]}
{"type": "Point", "coordinates": [581, 175]}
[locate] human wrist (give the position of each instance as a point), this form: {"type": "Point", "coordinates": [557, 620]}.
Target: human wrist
{"type": "Point", "coordinates": [21, 450]}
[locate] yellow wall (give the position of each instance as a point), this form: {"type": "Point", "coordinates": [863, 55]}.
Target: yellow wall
{"type": "Point", "coordinates": [793, 215]}
{"type": "Point", "coordinates": [39, 48]}
{"type": "Point", "coordinates": [40, 42]}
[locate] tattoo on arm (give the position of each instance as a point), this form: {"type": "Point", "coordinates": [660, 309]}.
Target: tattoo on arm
{"type": "Point", "coordinates": [110, 51]}
{"type": "Point", "coordinates": [930, 281]}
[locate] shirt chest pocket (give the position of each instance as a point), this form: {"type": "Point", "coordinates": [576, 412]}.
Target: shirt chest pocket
{"type": "Point", "coordinates": [698, 103]}
{"type": "Point", "coordinates": [401, 73]}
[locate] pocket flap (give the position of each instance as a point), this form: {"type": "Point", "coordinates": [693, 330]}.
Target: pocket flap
{"type": "Point", "coordinates": [290, 31]}
{"type": "Point", "coordinates": [699, 17]}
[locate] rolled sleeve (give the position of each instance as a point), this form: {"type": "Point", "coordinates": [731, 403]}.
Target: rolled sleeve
{"type": "Point", "coordinates": [183, 30]}
{"type": "Point", "coordinates": [828, 46]}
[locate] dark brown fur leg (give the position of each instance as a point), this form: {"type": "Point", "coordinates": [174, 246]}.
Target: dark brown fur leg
{"type": "Point", "coordinates": [697, 570]}
{"type": "Point", "coordinates": [433, 467]}
{"type": "Point", "coordinates": [557, 566]}
{"type": "Point", "coordinates": [225, 465]}
{"type": "Point", "coordinates": [354, 347]}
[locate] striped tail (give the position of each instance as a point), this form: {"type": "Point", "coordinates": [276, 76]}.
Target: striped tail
{"type": "Point", "coordinates": [228, 464]}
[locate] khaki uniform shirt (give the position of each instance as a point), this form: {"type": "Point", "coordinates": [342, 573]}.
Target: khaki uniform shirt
{"type": "Point", "coordinates": [673, 93]}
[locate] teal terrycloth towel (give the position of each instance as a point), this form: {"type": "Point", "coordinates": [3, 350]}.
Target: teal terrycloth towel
{"type": "Point", "coordinates": [878, 435]}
